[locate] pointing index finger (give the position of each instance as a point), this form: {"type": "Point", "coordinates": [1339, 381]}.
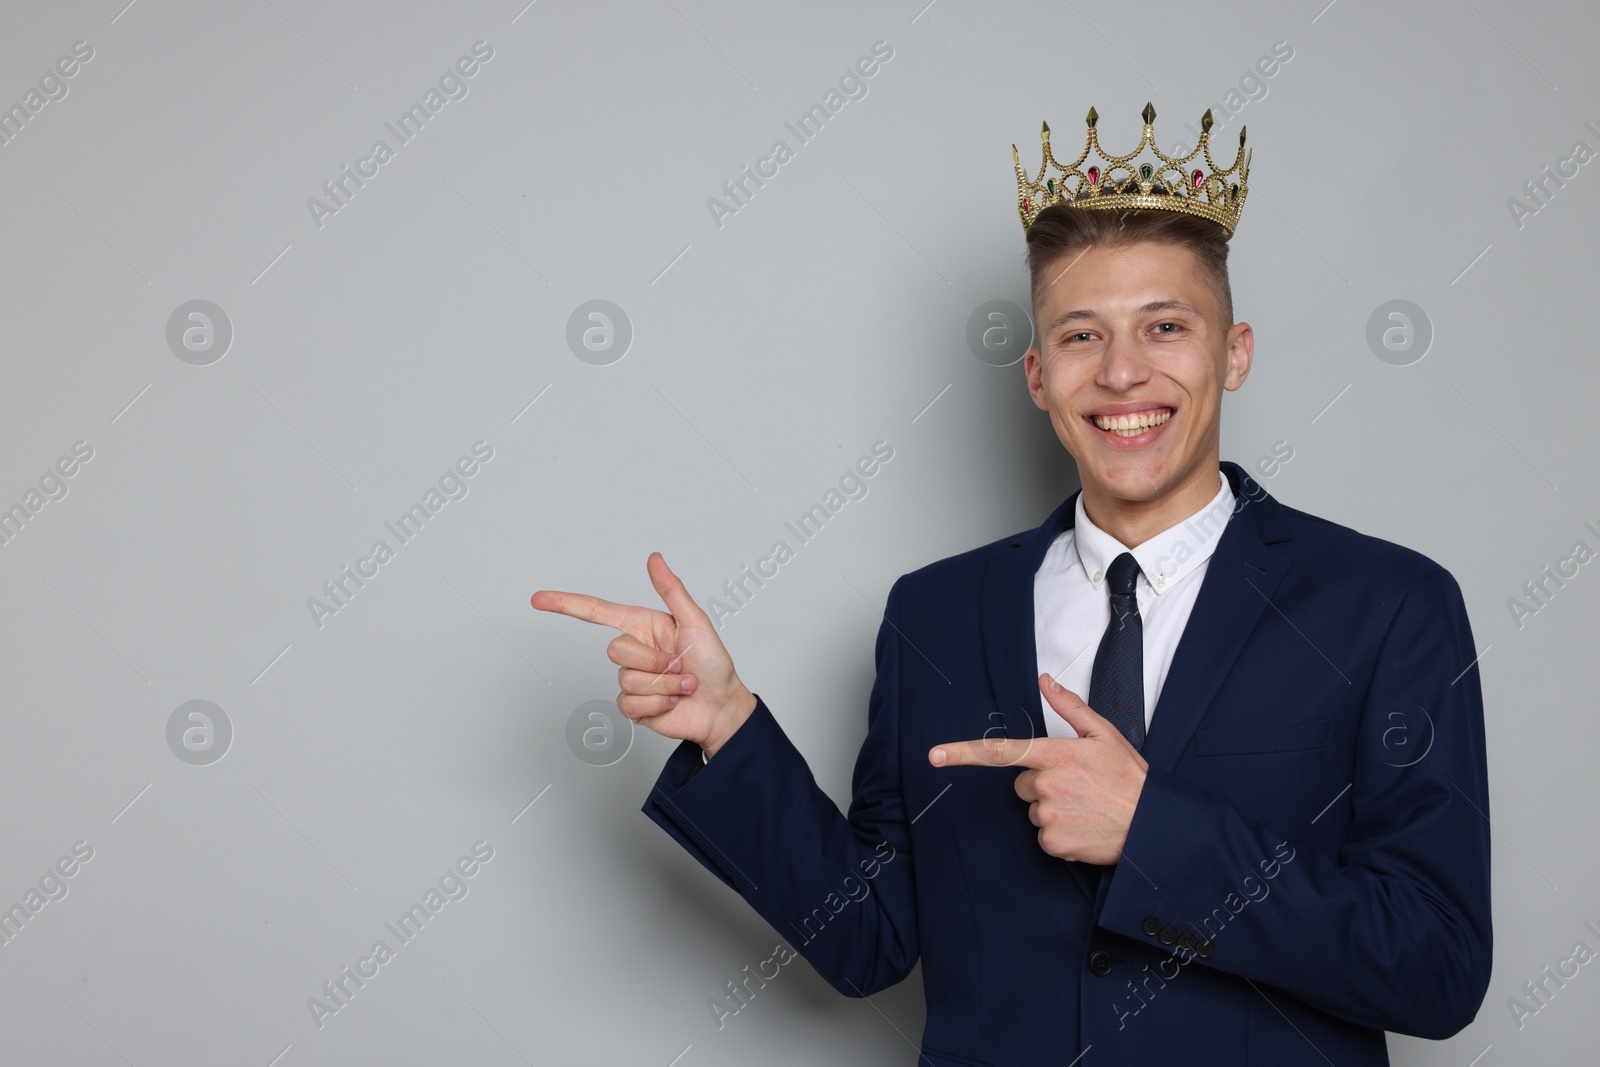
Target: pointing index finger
{"type": "Point", "coordinates": [584, 607]}
{"type": "Point", "coordinates": [987, 752]}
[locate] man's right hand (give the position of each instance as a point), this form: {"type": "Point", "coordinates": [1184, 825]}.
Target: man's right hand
{"type": "Point", "coordinates": [675, 675]}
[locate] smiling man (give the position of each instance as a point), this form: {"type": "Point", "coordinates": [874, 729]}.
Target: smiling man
{"type": "Point", "coordinates": [1242, 817]}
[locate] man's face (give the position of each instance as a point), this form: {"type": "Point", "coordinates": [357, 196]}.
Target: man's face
{"type": "Point", "coordinates": [1130, 361]}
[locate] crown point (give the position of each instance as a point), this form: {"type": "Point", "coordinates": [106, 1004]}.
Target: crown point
{"type": "Point", "coordinates": [1093, 118]}
{"type": "Point", "coordinates": [1205, 121]}
{"type": "Point", "coordinates": [1149, 113]}
{"type": "Point", "coordinates": [1241, 135]}
{"type": "Point", "coordinates": [1044, 131]}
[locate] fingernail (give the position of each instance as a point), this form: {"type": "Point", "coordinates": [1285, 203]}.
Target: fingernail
{"type": "Point", "coordinates": [1053, 683]}
{"type": "Point", "coordinates": [688, 683]}
{"type": "Point", "coordinates": [672, 699]}
{"type": "Point", "coordinates": [938, 757]}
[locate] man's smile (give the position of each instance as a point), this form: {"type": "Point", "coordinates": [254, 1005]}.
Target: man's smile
{"type": "Point", "coordinates": [1131, 428]}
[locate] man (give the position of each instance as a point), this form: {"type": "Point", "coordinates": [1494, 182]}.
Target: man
{"type": "Point", "coordinates": [1263, 839]}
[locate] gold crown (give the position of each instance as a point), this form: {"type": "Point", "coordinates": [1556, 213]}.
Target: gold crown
{"type": "Point", "coordinates": [1209, 195]}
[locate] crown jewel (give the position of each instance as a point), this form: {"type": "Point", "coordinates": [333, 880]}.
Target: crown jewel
{"type": "Point", "coordinates": [1214, 193]}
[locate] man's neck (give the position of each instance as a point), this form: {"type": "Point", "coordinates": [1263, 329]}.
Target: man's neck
{"type": "Point", "coordinates": [1133, 522]}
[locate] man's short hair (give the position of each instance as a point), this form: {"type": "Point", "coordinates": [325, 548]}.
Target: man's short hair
{"type": "Point", "coordinates": [1061, 230]}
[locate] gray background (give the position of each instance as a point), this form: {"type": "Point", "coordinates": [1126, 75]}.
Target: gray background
{"type": "Point", "coordinates": [369, 353]}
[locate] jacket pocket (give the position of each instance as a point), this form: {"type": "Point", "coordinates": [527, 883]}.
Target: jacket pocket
{"type": "Point", "coordinates": [1239, 739]}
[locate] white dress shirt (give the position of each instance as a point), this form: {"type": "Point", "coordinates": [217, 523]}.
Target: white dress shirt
{"type": "Point", "coordinates": [1072, 606]}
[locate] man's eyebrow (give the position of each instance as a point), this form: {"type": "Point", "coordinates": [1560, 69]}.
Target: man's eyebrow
{"type": "Point", "coordinates": [1154, 307]}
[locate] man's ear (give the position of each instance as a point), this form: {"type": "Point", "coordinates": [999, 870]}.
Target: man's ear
{"type": "Point", "coordinates": [1034, 369]}
{"type": "Point", "coordinates": [1241, 349]}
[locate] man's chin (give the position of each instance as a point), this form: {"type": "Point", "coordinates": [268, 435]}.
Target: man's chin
{"type": "Point", "coordinates": [1128, 476]}
{"type": "Point", "coordinates": [1131, 493]}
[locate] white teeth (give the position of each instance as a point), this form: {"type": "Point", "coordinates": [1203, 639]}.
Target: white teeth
{"type": "Point", "coordinates": [1132, 425]}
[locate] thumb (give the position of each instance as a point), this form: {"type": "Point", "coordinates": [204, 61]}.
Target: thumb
{"type": "Point", "coordinates": [1084, 719]}
{"type": "Point", "coordinates": [671, 589]}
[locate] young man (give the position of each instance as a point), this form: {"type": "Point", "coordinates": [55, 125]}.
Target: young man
{"type": "Point", "coordinates": [1242, 820]}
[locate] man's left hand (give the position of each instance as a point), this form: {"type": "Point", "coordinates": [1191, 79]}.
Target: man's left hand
{"type": "Point", "coordinates": [1081, 791]}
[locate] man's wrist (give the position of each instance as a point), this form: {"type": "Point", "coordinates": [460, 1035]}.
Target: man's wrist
{"type": "Point", "coordinates": [738, 710]}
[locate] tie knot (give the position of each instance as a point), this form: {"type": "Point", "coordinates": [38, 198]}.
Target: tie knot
{"type": "Point", "coordinates": [1122, 574]}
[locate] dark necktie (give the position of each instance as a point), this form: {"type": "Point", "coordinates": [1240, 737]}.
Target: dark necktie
{"type": "Point", "coordinates": [1116, 688]}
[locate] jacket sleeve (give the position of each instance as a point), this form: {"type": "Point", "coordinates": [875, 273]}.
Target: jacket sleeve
{"type": "Point", "coordinates": [838, 888]}
{"type": "Point", "coordinates": [1387, 928]}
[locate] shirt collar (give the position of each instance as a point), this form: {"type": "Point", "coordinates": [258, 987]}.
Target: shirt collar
{"type": "Point", "coordinates": [1163, 559]}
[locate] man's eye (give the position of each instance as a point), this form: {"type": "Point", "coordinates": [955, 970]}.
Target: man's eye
{"type": "Point", "coordinates": [1175, 326]}
{"type": "Point", "coordinates": [1069, 338]}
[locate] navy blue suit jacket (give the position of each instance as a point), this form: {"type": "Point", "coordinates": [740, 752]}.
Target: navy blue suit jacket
{"type": "Point", "coordinates": [1308, 865]}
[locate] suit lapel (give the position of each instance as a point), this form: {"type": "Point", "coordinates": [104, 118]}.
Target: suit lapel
{"type": "Point", "coordinates": [1244, 571]}
{"type": "Point", "coordinates": [1006, 611]}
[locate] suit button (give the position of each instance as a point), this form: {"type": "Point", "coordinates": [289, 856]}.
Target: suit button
{"type": "Point", "coordinates": [1100, 961]}
{"type": "Point", "coordinates": [1167, 935]}
{"type": "Point", "coordinates": [1151, 925]}
{"type": "Point", "coordinates": [1206, 947]}
{"type": "Point", "coordinates": [1186, 941]}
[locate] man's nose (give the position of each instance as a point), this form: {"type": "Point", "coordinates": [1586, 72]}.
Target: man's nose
{"type": "Point", "coordinates": [1122, 363]}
